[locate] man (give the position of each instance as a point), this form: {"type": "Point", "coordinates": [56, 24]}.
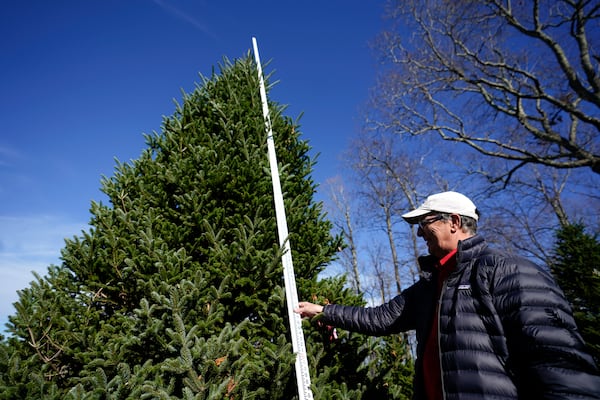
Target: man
{"type": "Point", "coordinates": [488, 325]}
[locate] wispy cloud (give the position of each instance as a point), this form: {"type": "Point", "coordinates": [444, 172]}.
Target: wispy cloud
{"type": "Point", "coordinates": [7, 155]}
{"type": "Point", "coordinates": [184, 16]}
{"type": "Point", "coordinates": [29, 244]}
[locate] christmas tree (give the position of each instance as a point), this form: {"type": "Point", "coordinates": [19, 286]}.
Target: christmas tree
{"type": "Point", "coordinates": [575, 267]}
{"type": "Point", "coordinates": [176, 291]}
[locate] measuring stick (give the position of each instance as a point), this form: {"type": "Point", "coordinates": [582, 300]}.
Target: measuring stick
{"type": "Point", "coordinates": [302, 373]}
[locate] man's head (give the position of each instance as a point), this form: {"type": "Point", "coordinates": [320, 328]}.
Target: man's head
{"type": "Point", "coordinates": [444, 219]}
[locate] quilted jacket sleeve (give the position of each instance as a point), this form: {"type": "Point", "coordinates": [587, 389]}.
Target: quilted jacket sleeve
{"type": "Point", "coordinates": [374, 321]}
{"type": "Point", "coordinates": [397, 315]}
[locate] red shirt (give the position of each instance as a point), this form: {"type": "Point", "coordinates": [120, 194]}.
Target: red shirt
{"type": "Point", "coordinates": [432, 373]}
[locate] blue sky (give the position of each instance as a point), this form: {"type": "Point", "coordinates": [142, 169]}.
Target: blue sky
{"type": "Point", "coordinates": [82, 81]}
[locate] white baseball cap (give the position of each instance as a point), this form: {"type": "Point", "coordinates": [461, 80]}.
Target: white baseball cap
{"type": "Point", "coordinates": [445, 202]}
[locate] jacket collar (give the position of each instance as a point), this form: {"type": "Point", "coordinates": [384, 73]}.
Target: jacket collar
{"type": "Point", "coordinates": [470, 248]}
{"type": "Point", "coordinates": [467, 250]}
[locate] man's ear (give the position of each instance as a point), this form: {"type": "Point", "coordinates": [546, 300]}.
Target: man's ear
{"type": "Point", "coordinates": [456, 221]}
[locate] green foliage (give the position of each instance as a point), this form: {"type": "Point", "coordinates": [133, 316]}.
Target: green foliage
{"type": "Point", "coordinates": [576, 267]}
{"type": "Point", "coordinates": [176, 291]}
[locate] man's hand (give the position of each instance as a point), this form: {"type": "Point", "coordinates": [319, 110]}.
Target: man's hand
{"type": "Point", "coordinates": [308, 310]}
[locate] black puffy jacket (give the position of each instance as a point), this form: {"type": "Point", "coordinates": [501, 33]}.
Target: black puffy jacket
{"type": "Point", "coordinates": [506, 330]}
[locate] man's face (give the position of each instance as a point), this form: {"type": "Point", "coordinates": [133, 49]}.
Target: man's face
{"type": "Point", "coordinates": [438, 234]}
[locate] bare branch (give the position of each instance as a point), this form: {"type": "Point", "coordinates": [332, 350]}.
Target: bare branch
{"type": "Point", "coordinates": [517, 81]}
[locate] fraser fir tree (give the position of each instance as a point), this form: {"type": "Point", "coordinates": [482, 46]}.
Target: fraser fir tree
{"type": "Point", "coordinates": [576, 267]}
{"type": "Point", "coordinates": [176, 291]}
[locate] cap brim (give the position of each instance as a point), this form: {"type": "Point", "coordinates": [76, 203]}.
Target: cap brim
{"type": "Point", "coordinates": [413, 216]}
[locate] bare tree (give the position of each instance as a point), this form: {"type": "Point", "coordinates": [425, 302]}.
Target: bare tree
{"type": "Point", "coordinates": [376, 280]}
{"type": "Point", "coordinates": [517, 80]}
{"type": "Point", "coordinates": [390, 178]}
{"type": "Point", "coordinates": [526, 215]}
{"type": "Point", "coordinates": [379, 192]}
{"type": "Point", "coordinates": [380, 281]}
{"type": "Point", "coordinates": [343, 220]}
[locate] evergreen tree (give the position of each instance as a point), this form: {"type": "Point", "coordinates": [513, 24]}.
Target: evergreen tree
{"type": "Point", "coordinates": [576, 267]}
{"type": "Point", "coordinates": [176, 291]}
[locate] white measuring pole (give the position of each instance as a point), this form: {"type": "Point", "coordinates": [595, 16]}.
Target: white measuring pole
{"type": "Point", "coordinates": [302, 373]}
